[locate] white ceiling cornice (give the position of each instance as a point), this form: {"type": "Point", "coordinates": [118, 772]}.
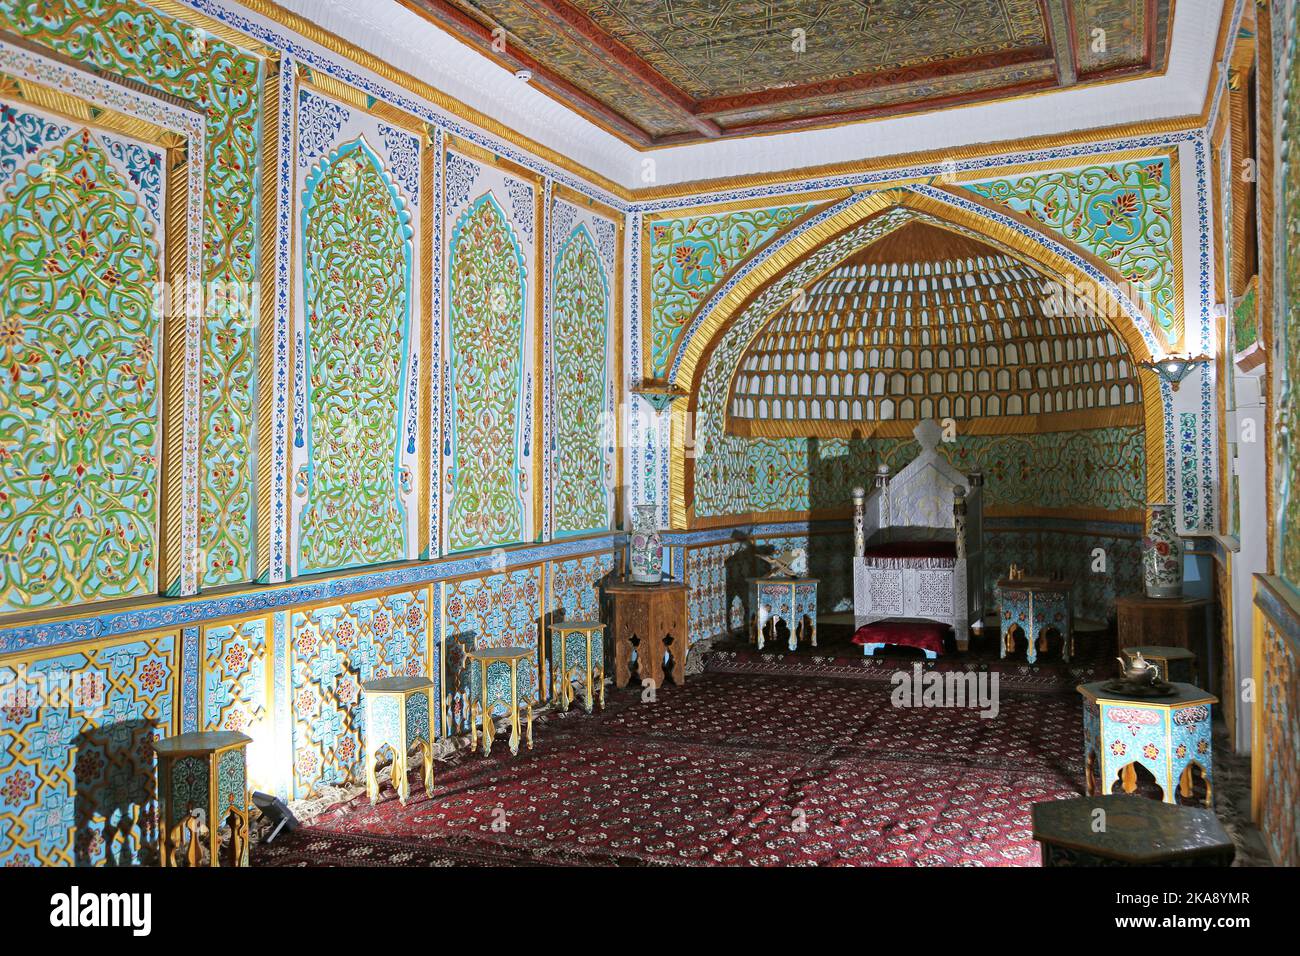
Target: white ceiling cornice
{"type": "Point", "coordinates": [411, 43]}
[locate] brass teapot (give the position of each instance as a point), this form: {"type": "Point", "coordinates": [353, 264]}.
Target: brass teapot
{"type": "Point", "coordinates": [1139, 670]}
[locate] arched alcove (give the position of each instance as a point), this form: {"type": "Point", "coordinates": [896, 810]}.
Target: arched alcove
{"type": "Point", "coordinates": [781, 277]}
{"type": "Point", "coordinates": [931, 323]}
{"type": "Point", "coordinates": [816, 376]}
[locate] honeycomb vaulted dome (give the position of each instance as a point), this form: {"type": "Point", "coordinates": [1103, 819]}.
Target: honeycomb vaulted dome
{"type": "Point", "coordinates": [930, 323]}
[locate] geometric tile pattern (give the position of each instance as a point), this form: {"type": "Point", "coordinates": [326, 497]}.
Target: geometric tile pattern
{"type": "Point", "coordinates": [334, 650]}
{"type": "Point", "coordinates": [500, 610]}
{"type": "Point", "coordinates": [1279, 708]}
{"type": "Point", "coordinates": [77, 773]}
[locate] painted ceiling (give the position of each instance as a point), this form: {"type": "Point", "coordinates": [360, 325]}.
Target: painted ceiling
{"type": "Point", "coordinates": [658, 72]}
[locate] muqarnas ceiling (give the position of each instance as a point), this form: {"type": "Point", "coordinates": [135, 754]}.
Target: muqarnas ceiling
{"type": "Point", "coordinates": [924, 324]}
{"type": "Point", "coordinates": [667, 72]}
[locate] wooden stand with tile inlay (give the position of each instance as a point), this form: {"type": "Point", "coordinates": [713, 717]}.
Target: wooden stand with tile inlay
{"type": "Point", "coordinates": [1035, 606]}
{"type": "Point", "coordinates": [397, 717]}
{"type": "Point", "coordinates": [501, 681]}
{"type": "Point", "coordinates": [792, 600]}
{"type": "Point", "coordinates": [1168, 736]}
{"type": "Point", "coordinates": [654, 615]}
{"type": "Point", "coordinates": [203, 783]}
{"type": "Point", "coordinates": [578, 655]}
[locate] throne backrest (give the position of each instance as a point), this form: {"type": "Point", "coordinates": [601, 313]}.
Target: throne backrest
{"type": "Point", "coordinates": [921, 494]}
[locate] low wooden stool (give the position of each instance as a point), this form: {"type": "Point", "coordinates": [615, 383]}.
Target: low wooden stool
{"type": "Point", "coordinates": [1129, 831]}
{"type": "Point", "coordinates": [495, 684]}
{"type": "Point", "coordinates": [397, 717]}
{"type": "Point", "coordinates": [203, 780]}
{"type": "Point", "coordinates": [578, 654]}
{"type": "Point", "coordinates": [654, 614]}
{"type": "Point", "coordinates": [1175, 663]}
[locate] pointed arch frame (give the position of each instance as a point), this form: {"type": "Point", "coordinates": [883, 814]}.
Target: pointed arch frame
{"type": "Point", "coordinates": [1127, 318]}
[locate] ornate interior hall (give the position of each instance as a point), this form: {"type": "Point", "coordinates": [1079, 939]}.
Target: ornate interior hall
{"type": "Point", "coordinates": [627, 434]}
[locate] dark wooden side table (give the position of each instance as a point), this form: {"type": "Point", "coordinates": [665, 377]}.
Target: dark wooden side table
{"type": "Point", "coordinates": [1170, 622]}
{"type": "Point", "coordinates": [654, 614]}
{"type": "Point", "coordinates": [1124, 830]}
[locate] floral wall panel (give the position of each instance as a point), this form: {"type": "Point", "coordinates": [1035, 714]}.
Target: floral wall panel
{"type": "Point", "coordinates": [357, 407]}
{"type": "Point", "coordinates": [80, 335]}
{"type": "Point", "coordinates": [1121, 212]}
{"type": "Point", "coordinates": [584, 267]}
{"type": "Point", "coordinates": [236, 690]}
{"type": "Point", "coordinates": [689, 257]}
{"type": "Point", "coordinates": [500, 610]}
{"type": "Point", "coordinates": [489, 448]}
{"type": "Point", "coordinates": [77, 774]}
{"type": "Point", "coordinates": [133, 40]}
{"type": "Point", "coordinates": [334, 649]}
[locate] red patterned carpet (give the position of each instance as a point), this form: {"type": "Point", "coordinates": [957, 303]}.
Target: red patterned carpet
{"type": "Point", "coordinates": [732, 769]}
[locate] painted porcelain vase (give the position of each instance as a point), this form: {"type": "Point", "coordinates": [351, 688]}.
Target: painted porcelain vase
{"type": "Point", "coordinates": [645, 546]}
{"type": "Point", "coordinates": [1162, 555]}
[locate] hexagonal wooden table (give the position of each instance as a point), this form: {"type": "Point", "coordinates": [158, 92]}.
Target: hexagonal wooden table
{"type": "Point", "coordinates": [1126, 830]}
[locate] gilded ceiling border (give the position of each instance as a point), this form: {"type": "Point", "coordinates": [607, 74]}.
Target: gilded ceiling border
{"type": "Point", "coordinates": [231, 23]}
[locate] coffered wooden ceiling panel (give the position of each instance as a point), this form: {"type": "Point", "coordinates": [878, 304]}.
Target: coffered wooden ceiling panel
{"type": "Point", "coordinates": [668, 71]}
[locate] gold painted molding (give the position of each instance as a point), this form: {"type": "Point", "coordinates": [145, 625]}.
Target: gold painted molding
{"type": "Point", "coordinates": [899, 161]}
{"type": "Point", "coordinates": [1109, 417]}
{"type": "Point", "coordinates": [264, 322]}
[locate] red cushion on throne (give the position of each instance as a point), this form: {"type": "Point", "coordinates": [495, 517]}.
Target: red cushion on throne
{"type": "Point", "coordinates": [926, 635]}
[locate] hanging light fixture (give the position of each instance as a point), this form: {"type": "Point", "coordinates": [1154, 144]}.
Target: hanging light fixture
{"type": "Point", "coordinates": [1174, 368]}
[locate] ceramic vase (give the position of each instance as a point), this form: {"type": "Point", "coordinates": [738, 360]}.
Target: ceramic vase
{"type": "Point", "coordinates": [1162, 555]}
{"type": "Point", "coordinates": [645, 546]}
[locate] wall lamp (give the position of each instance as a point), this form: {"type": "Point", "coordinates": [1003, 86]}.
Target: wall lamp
{"type": "Point", "coordinates": [1174, 368]}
